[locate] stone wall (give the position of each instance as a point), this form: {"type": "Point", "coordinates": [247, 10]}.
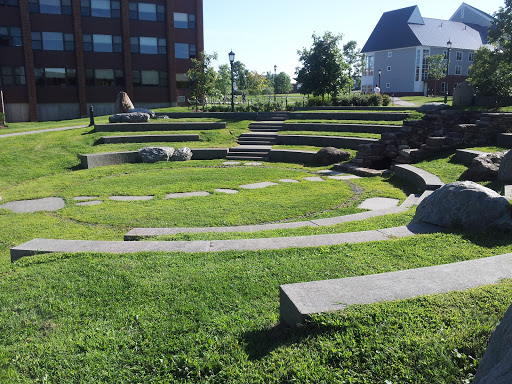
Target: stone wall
{"type": "Point", "coordinates": [437, 131]}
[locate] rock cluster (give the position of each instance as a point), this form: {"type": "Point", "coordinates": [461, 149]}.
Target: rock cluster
{"type": "Point", "coordinates": [133, 117]}
{"type": "Point", "coordinates": [154, 154]}
{"type": "Point", "coordinates": [437, 131]}
{"type": "Point", "coordinates": [143, 110]}
{"type": "Point", "coordinates": [330, 155]}
{"type": "Point", "coordinates": [484, 167]}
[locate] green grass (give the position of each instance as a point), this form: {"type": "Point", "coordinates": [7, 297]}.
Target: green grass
{"type": "Point", "coordinates": [443, 167]}
{"type": "Point", "coordinates": [420, 100]}
{"type": "Point", "coordinates": [177, 317]}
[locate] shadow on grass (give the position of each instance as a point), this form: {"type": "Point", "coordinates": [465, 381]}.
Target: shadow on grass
{"type": "Point", "coordinates": [487, 239]}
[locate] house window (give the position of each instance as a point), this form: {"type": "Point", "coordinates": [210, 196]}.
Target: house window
{"type": "Point", "coordinates": [443, 87]}
{"type": "Point", "coordinates": [13, 75]}
{"type": "Point", "coordinates": [182, 81]}
{"type": "Point", "coordinates": [459, 56]}
{"type": "Point", "coordinates": [185, 51]}
{"type": "Point", "coordinates": [389, 68]}
{"type": "Point", "coordinates": [390, 54]}
{"type": "Point", "coordinates": [458, 70]}
{"type": "Point", "coordinates": [471, 57]}
{"type": "Point", "coordinates": [184, 20]}
{"type": "Point", "coordinates": [388, 85]}
{"type": "Point", "coordinates": [10, 36]}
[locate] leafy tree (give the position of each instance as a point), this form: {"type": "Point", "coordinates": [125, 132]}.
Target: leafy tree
{"type": "Point", "coordinates": [491, 72]}
{"type": "Point", "coordinates": [283, 83]}
{"type": "Point", "coordinates": [323, 71]}
{"type": "Point", "coordinates": [203, 77]}
{"type": "Point", "coordinates": [223, 80]}
{"type": "Point", "coordinates": [257, 83]}
{"type": "Point", "coordinates": [437, 65]}
{"type": "Point", "coordinates": [353, 58]}
{"type": "Point", "coordinates": [240, 74]}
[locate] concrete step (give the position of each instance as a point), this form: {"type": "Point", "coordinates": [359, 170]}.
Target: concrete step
{"type": "Point", "coordinates": [256, 142]}
{"type": "Point", "coordinates": [248, 158]}
{"type": "Point", "coordinates": [251, 148]}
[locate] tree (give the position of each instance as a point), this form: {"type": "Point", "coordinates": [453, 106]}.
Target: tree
{"type": "Point", "coordinates": [437, 65]}
{"type": "Point", "coordinates": [491, 72]}
{"type": "Point", "coordinates": [203, 77]}
{"type": "Point", "coordinates": [353, 58]}
{"type": "Point", "coordinates": [256, 83]}
{"type": "Point", "coordinates": [223, 80]}
{"type": "Point", "coordinates": [323, 71]}
{"type": "Point", "coordinates": [283, 83]}
{"type": "Point", "coordinates": [240, 75]}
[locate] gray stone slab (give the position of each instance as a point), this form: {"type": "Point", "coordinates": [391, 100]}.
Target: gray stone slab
{"type": "Point", "coordinates": [357, 216]}
{"type": "Point", "coordinates": [258, 185]}
{"type": "Point", "coordinates": [42, 131]}
{"type": "Point", "coordinates": [253, 163]}
{"type": "Point", "coordinates": [329, 172]}
{"type": "Point", "coordinates": [411, 200]}
{"type": "Point", "coordinates": [186, 194]}
{"type": "Point", "coordinates": [377, 203]}
{"type": "Point", "coordinates": [91, 202]}
{"type": "Point", "coordinates": [298, 301]}
{"type": "Point", "coordinates": [131, 198]}
{"type": "Point", "coordinates": [423, 196]}
{"type": "Point", "coordinates": [39, 246]}
{"type": "Point", "coordinates": [232, 163]}
{"type": "Point", "coordinates": [83, 198]}
{"type": "Point", "coordinates": [288, 181]}
{"type": "Point", "coordinates": [26, 206]}
{"type": "Point", "coordinates": [508, 192]}
{"type": "Point", "coordinates": [344, 177]}
{"type": "Point", "coordinates": [228, 191]}
{"type": "Point", "coordinates": [313, 178]}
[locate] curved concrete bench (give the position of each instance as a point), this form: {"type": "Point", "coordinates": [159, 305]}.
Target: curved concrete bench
{"type": "Point", "coordinates": [323, 141]}
{"type": "Point", "coordinates": [369, 116]}
{"type": "Point", "coordinates": [147, 139]}
{"type": "Point", "coordinates": [299, 301]}
{"type": "Point", "coordinates": [466, 156]}
{"type": "Point", "coordinates": [331, 127]}
{"type": "Point", "coordinates": [176, 126]}
{"type": "Point", "coordinates": [504, 140]}
{"type": "Point", "coordinates": [291, 156]}
{"type": "Point", "coordinates": [94, 160]}
{"type": "Point", "coordinates": [419, 177]}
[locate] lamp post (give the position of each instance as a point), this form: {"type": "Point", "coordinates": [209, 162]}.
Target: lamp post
{"type": "Point", "coordinates": [275, 90]}
{"type": "Point", "coordinates": [232, 61]}
{"type": "Point", "coordinates": [449, 48]}
{"type": "Point", "coordinates": [380, 73]}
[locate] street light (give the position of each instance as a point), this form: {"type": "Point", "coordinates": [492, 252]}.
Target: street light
{"type": "Point", "coordinates": [449, 48]}
{"type": "Point", "coordinates": [275, 75]}
{"type": "Point", "coordinates": [232, 61]}
{"type": "Point", "coordinates": [380, 73]}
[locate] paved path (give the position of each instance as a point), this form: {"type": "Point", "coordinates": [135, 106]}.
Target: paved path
{"type": "Point", "coordinates": [42, 130]}
{"type": "Point", "coordinates": [402, 103]}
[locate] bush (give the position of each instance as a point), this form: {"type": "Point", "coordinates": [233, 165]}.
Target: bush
{"type": "Point", "coordinates": [386, 100]}
{"type": "Point", "coordinates": [375, 100]}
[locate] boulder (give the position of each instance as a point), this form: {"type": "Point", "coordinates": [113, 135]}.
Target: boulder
{"type": "Point", "coordinates": [505, 171]}
{"type": "Point", "coordinates": [463, 95]}
{"type": "Point", "coordinates": [134, 117]}
{"type": "Point", "coordinates": [154, 154]}
{"type": "Point", "coordinates": [182, 154]}
{"type": "Point", "coordinates": [123, 103]}
{"type": "Point", "coordinates": [484, 167]}
{"type": "Point", "coordinates": [143, 110]}
{"type": "Point", "coordinates": [467, 205]}
{"type": "Point", "coordinates": [432, 107]}
{"type": "Point", "coordinates": [330, 155]}
{"type": "Point", "coordinates": [496, 364]}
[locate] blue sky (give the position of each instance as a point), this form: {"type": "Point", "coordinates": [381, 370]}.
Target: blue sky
{"type": "Point", "coordinates": [264, 33]}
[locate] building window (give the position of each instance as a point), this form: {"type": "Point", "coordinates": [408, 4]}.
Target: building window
{"type": "Point", "coordinates": [10, 37]}
{"type": "Point", "coordinates": [147, 11]}
{"type": "Point", "coordinates": [69, 42]}
{"type": "Point", "coordinates": [458, 70]}
{"type": "Point", "coordinates": [185, 51]}
{"type": "Point", "coordinates": [471, 57]}
{"type": "Point", "coordinates": [104, 77]}
{"type": "Point", "coordinates": [369, 65]}
{"type": "Point", "coordinates": [101, 8]}
{"type": "Point", "coordinates": [13, 75]}
{"type": "Point", "coordinates": [182, 81]}
{"type": "Point", "coordinates": [102, 43]}
{"type": "Point", "coordinates": [162, 47]}
{"type": "Point", "coordinates": [184, 20]}
{"type": "Point", "coordinates": [459, 56]}
{"type": "Point", "coordinates": [443, 87]}
{"type": "Point", "coordinates": [426, 54]}
{"type": "Point", "coordinates": [55, 76]}
{"type": "Point", "coordinates": [150, 78]}
{"type": "Point", "coordinates": [53, 41]}
{"type": "Point", "coordinates": [148, 45]}
{"type": "Point", "coordinates": [389, 68]}
{"type": "Point", "coordinates": [12, 3]}
{"type": "Point", "coordinates": [390, 54]}
{"type": "Point", "coordinates": [388, 85]}
{"type": "Point", "coordinates": [50, 6]}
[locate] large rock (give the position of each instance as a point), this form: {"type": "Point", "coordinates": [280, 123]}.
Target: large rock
{"type": "Point", "coordinates": [134, 117]}
{"type": "Point", "coordinates": [465, 204]}
{"type": "Point", "coordinates": [154, 154]}
{"type": "Point", "coordinates": [330, 155]}
{"type": "Point", "coordinates": [123, 103]}
{"type": "Point", "coordinates": [143, 110]}
{"type": "Point", "coordinates": [496, 364]}
{"type": "Point", "coordinates": [432, 107]}
{"type": "Point", "coordinates": [484, 167]}
{"type": "Point", "coordinates": [505, 171]}
{"type": "Point", "coordinates": [182, 154]}
{"type": "Point", "coordinates": [463, 95]}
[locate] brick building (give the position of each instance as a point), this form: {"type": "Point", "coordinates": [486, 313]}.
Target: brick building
{"type": "Point", "coordinates": [58, 57]}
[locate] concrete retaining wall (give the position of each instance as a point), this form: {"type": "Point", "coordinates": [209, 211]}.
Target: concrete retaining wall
{"type": "Point", "coordinates": [291, 156]}
{"type": "Point", "coordinates": [323, 141]}
{"type": "Point", "coordinates": [327, 127]}
{"type": "Point", "coordinates": [147, 139]}
{"type": "Point", "coordinates": [349, 116]}
{"type": "Point", "coordinates": [419, 177]}
{"type": "Point", "coordinates": [137, 127]}
{"type": "Point", "coordinates": [504, 140]}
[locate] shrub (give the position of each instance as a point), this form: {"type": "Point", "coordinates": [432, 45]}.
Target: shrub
{"type": "Point", "coordinates": [375, 100]}
{"type": "Point", "coordinates": [386, 100]}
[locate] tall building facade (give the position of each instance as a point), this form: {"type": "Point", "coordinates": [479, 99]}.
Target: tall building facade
{"type": "Point", "coordinates": [58, 57]}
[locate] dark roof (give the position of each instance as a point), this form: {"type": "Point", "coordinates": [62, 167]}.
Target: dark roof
{"type": "Point", "coordinates": [392, 31]}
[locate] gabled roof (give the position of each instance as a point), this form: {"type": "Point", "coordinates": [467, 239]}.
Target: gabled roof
{"type": "Point", "coordinates": [406, 27]}
{"type": "Point", "coordinates": [392, 30]}
{"type": "Point", "coordinates": [482, 14]}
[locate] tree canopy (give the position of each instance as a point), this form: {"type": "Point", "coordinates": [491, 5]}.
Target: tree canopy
{"type": "Point", "coordinates": [353, 56]}
{"type": "Point", "coordinates": [323, 69]}
{"type": "Point", "coordinates": [437, 65]}
{"type": "Point", "coordinates": [283, 83]}
{"type": "Point", "coordinates": [203, 76]}
{"type": "Point", "coordinates": [491, 72]}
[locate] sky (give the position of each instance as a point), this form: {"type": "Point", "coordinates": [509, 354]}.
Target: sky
{"type": "Point", "coordinates": [264, 33]}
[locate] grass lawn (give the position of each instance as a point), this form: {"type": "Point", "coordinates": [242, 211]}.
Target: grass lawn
{"type": "Point", "coordinates": [198, 318]}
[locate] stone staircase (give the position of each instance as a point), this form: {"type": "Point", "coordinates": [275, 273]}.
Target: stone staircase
{"type": "Point", "coordinates": [249, 152]}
